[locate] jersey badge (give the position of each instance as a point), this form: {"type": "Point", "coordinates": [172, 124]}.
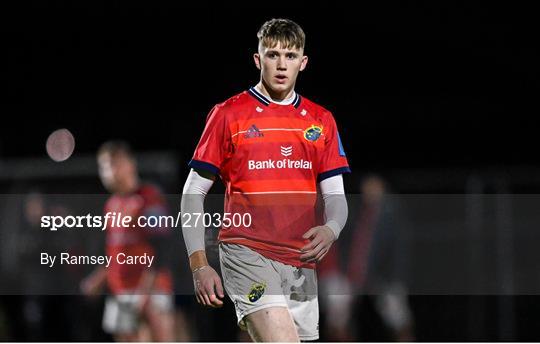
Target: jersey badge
{"type": "Point", "coordinates": [313, 133]}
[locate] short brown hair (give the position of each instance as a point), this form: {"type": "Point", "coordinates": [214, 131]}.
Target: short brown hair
{"type": "Point", "coordinates": [115, 147]}
{"type": "Point", "coordinates": [283, 31]}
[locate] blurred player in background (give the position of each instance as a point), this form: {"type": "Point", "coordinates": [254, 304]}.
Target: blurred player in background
{"type": "Point", "coordinates": [364, 295]}
{"type": "Point", "coordinates": [272, 148]}
{"type": "Point", "coordinates": [141, 296]}
{"type": "Point", "coordinates": [377, 263]}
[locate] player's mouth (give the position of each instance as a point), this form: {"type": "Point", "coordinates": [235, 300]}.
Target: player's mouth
{"type": "Point", "coordinates": [281, 79]}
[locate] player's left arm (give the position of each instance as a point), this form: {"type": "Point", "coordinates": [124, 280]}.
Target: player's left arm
{"type": "Point", "coordinates": [335, 212]}
{"type": "Point", "coordinates": [332, 164]}
{"type": "Point", "coordinates": [145, 288]}
{"type": "Point", "coordinates": [159, 239]}
{"type": "Point", "coordinates": [147, 282]}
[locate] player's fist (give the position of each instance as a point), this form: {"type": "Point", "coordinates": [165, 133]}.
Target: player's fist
{"type": "Point", "coordinates": [208, 287]}
{"type": "Point", "coordinates": [321, 239]}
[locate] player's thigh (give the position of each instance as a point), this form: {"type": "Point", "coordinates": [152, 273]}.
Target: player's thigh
{"type": "Point", "coordinates": [160, 317]}
{"type": "Point", "coordinates": [272, 324]}
{"type": "Point", "coordinates": [300, 288]}
{"type": "Point", "coordinates": [249, 280]}
{"type": "Point", "coordinates": [305, 314]}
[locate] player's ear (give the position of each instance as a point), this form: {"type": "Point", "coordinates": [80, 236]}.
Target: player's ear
{"type": "Point", "coordinates": [303, 63]}
{"type": "Point", "coordinates": [257, 59]}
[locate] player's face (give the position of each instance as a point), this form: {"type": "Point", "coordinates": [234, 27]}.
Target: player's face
{"type": "Point", "coordinates": [373, 189]}
{"type": "Point", "coordinates": [279, 68]}
{"type": "Point", "coordinates": [117, 172]}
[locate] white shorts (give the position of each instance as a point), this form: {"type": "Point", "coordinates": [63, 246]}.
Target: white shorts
{"type": "Point", "coordinates": [254, 282]}
{"type": "Point", "coordinates": [122, 317]}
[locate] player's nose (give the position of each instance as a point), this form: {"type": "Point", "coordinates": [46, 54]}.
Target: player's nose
{"type": "Point", "coordinates": [282, 63]}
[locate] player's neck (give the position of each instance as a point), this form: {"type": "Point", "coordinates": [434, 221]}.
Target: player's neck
{"type": "Point", "coordinates": [276, 97]}
{"type": "Point", "coordinates": [129, 188]}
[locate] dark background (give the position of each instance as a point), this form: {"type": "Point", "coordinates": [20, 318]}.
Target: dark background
{"type": "Point", "coordinates": [431, 87]}
{"type": "Point", "coordinates": [411, 85]}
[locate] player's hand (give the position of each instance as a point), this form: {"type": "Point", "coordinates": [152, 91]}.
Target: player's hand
{"type": "Point", "coordinates": [208, 287]}
{"type": "Point", "coordinates": [91, 286]}
{"type": "Point", "coordinates": [321, 238]}
{"type": "Point", "coordinates": [142, 305]}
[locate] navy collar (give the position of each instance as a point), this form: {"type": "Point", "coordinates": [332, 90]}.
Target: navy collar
{"type": "Point", "coordinates": [263, 99]}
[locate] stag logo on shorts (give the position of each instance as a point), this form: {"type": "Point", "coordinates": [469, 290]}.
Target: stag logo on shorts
{"type": "Point", "coordinates": [256, 292]}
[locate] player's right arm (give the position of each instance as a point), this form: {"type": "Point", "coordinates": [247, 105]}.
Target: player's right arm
{"type": "Point", "coordinates": [208, 160]}
{"type": "Point", "coordinates": [95, 282]}
{"type": "Point", "coordinates": [207, 284]}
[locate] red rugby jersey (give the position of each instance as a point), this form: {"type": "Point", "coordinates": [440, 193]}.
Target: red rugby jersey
{"type": "Point", "coordinates": [133, 240]}
{"type": "Point", "coordinates": [270, 158]}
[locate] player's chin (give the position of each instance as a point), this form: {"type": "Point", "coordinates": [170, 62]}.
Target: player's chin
{"type": "Point", "coordinates": [280, 87]}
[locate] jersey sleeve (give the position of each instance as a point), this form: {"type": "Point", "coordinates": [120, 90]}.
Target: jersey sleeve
{"type": "Point", "coordinates": [333, 160]}
{"type": "Point", "coordinates": [214, 144]}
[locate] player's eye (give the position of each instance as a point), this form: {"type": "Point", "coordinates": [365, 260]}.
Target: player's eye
{"type": "Point", "coordinates": [291, 56]}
